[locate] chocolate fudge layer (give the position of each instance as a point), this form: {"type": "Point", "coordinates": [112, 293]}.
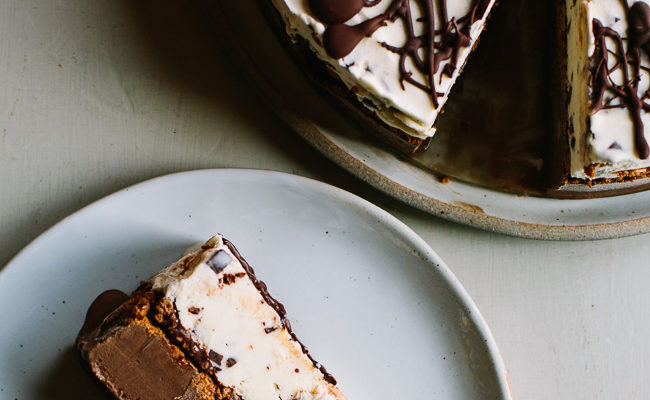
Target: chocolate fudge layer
{"type": "Point", "coordinates": [133, 358]}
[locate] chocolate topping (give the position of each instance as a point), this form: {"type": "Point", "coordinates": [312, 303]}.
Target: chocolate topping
{"type": "Point", "coordinates": [230, 362]}
{"type": "Point", "coordinates": [340, 39]}
{"type": "Point", "coordinates": [219, 260]}
{"type": "Point", "coordinates": [333, 11]}
{"type": "Point", "coordinates": [629, 64]}
{"type": "Point", "coordinates": [639, 25]}
{"type": "Point", "coordinates": [117, 340]}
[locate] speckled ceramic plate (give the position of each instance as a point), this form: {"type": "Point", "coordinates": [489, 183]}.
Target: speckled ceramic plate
{"type": "Point", "coordinates": [370, 298]}
{"type": "Point", "coordinates": [483, 196]}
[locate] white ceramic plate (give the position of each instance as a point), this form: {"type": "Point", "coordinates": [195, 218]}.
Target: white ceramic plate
{"type": "Point", "coordinates": [283, 86]}
{"type": "Point", "coordinates": [371, 300]}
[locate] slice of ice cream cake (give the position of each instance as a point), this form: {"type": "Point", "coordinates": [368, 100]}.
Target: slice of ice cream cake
{"type": "Point", "coordinates": [203, 328]}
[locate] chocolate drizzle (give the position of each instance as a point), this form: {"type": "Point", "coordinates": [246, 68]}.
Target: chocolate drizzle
{"type": "Point", "coordinates": [340, 39]}
{"type": "Point", "coordinates": [338, 11]}
{"type": "Point", "coordinates": [625, 95]}
{"type": "Point", "coordinates": [426, 51]}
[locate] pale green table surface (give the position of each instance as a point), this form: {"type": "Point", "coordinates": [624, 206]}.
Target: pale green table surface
{"type": "Point", "coordinates": [98, 95]}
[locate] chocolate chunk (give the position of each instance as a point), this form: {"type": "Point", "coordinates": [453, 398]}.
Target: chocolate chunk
{"type": "Point", "coordinates": [219, 260]}
{"type": "Point", "coordinates": [296, 370]}
{"type": "Point", "coordinates": [194, 310]}
{"type": "Point", "coordinates": [269, 330]}
{"type": "Point", "coordinates": [215, 357]}
{"type": "Point", "coordinates": [231, 278]}
{"type": "Point", "coordinates": [331, 11]}
{"type": "Point", "coordinates": [230, 362]}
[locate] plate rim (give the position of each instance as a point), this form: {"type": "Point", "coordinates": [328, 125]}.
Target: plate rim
{"type": "Point", "coordinates": [422, 248]}
{"type": "Point", "coordinates": [449, 211]}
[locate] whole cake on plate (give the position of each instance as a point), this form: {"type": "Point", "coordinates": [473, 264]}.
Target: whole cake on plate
{"type": "Point", "coordinates": [204, 328]}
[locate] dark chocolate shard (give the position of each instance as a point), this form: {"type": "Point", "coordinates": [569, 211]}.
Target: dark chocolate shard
{"type": "Point", "coordinates": [194, 310]}
{"type": "Point", "coordinates": [219, 260]}
{"type": "Point", "coordinates": [215, 357]}
{"type": "Point", "coordinates": [269, 330]}
{"type": "Point", "coordinates": [230, 362]}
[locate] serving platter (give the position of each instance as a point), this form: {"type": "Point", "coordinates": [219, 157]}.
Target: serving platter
{"type": "Point", "coordinates": [484, 167]}
{"type": "Point", "coordinates": [373, 302]}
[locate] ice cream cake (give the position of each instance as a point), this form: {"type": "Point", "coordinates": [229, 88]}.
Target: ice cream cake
{"type": "Point", "coordinates": [204, 328]}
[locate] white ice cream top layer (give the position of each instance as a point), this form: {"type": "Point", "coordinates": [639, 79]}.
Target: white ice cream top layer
{"type": "Point", "coordinates": [374, 71]}
{"type": "Point", "coordinates": [230, 319]}
{"type": "Point", "coordinates": [610, 140]}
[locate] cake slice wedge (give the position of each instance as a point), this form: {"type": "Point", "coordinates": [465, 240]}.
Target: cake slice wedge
{"type": "Point", "coordinates": [392, 62]}
{"type": "Point", "coordinates": [204, 328]}
{"type": "Point", "coordinates": [608, 92]}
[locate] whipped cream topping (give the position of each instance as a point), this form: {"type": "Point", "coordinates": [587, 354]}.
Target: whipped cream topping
{"type": "Point", "coordinates": [603, 141]}
{"type": "Point", "coordinates": [372, 72]}
{"type": "Point", "coordinates": [227, 316]}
